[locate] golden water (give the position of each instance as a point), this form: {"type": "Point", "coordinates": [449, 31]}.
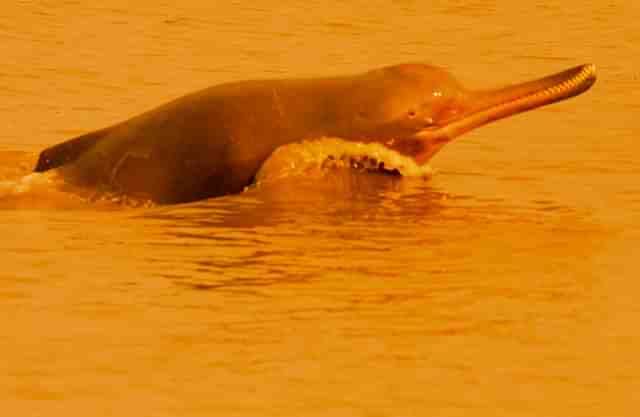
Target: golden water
{"type": "Point", "coordinates": [505, 285]}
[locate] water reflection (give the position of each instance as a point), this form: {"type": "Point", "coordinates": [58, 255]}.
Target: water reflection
{"type": "Point", "coordinates": [293, 230]}
{"type": "Point", "coordinates": [416, 239]}
{"type": "Point", "coordinates": [340, 194]}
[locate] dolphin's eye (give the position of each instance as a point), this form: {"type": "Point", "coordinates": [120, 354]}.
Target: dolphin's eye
{"type": "Point", "coordinates": [412, 113]}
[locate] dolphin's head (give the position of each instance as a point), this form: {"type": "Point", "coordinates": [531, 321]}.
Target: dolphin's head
{"type": "Point", "coordinates": [415, 109]}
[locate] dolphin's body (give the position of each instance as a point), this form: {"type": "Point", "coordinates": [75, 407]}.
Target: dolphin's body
{"type": "Point", "coordinates": [212, 142]}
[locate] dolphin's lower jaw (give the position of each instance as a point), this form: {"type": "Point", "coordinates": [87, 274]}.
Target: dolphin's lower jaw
{"type": "Point", "coordinates": [491, 105]}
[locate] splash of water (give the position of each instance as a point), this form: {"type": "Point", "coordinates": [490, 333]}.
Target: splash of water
{"type": "Point", "coordinates": [312, 157]}
{"type": "Point", "coordinates": [28, 183]}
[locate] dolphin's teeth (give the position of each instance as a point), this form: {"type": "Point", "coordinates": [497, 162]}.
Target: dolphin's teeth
{"type": "Point", "coordinates": [559, 88]}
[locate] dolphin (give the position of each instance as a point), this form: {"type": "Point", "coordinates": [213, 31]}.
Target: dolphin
{"type": "Point", "coordinates": [213, 142]}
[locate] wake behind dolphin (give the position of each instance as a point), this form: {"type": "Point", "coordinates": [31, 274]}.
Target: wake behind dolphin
{"type": "Point", "coordinates": [214, 141]}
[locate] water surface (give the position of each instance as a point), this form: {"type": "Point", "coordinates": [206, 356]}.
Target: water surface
{"type": "Point", "coordinates": [505, 285]}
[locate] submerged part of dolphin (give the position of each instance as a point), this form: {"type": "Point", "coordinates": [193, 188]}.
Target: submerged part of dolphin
{"type": "Point", "coordinates": [213, 142]}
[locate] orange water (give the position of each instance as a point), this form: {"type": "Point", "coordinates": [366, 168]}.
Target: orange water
{"type": "Point", "coordinates": [504, 286]}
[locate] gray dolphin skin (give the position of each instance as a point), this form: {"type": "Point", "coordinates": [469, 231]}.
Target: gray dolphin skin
{"type": "Point", "coordinates": [212, 142]}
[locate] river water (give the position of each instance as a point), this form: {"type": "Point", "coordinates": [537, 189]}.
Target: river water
{"type": "Point", "coordinates": [503, 286]}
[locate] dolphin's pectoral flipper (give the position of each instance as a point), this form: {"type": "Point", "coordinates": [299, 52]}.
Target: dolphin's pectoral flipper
{"type": "Point", "coordinates": [68, 151]}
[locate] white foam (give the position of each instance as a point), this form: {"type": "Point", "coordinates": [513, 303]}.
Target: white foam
{"type": "Point", "coordinates": [25, 184]}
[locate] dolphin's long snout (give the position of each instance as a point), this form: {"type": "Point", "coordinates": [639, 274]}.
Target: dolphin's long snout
{"type": "Point", "coordinates": [486, 106]}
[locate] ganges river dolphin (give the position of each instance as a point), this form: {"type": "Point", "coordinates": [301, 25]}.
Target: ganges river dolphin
{"type": "Point", "coordinates": [212, 142]}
